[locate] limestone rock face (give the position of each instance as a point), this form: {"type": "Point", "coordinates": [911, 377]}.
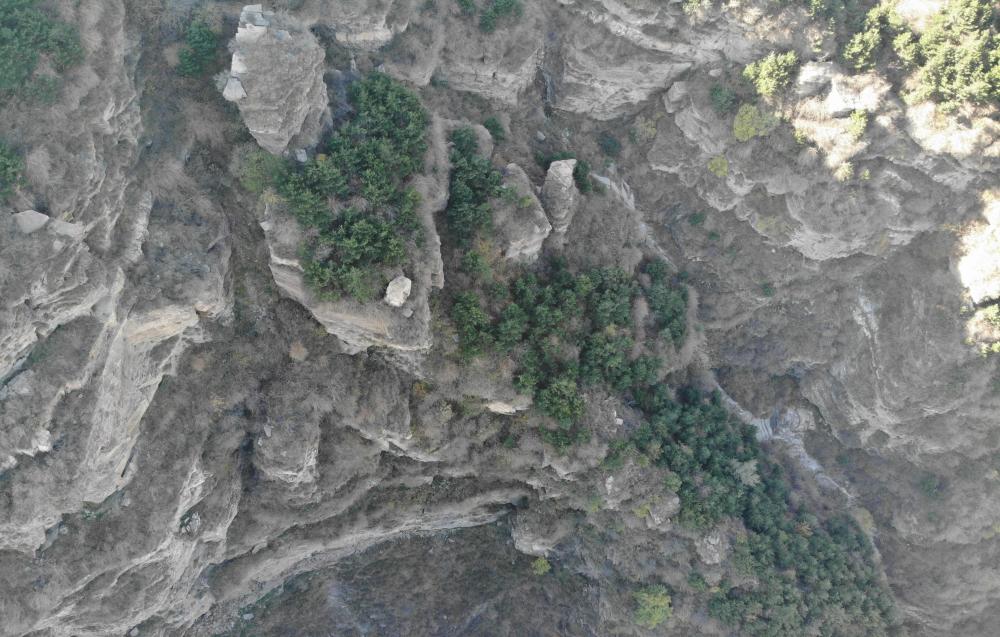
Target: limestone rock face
{"type": "Point", "coordinates": [179, 442]}
{"type": "Point", "coordinates": [520, 225]}
{"type": "Point", "coordinates": [92, 315]}
{"type": "Point", "coordinates": [276, 80]}
{"type": "Point", "coordinates": [560, 195]}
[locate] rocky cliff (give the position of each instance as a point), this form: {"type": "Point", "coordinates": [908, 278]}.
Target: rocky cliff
{"type": "Point", "coordinates": [193, 442]}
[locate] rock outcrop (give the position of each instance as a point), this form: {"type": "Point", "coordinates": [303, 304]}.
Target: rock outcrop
{"type": "Point", "coordinates": [276, 80]}
{"type": "Point", "coordinates": [184, 452]}
{"type": "Point", "coordinates": [360, 326]}
{"type": "Point", "coordinates": [520, 223]}
{"type": "Point", "coordinates": [398, 291]}
{"type": "Point", "coordinates": [559, 194]}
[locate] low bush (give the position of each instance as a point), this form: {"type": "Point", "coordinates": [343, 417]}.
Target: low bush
{"type": "Point", "coordinates": [540, 566]}
{"type": "Point", "coordinates": [499, 10]}
{"type": "Point", "coordinates": [773, 73]}
{"type": "Point", "coordinates": [497, 132]}
{"type": "Point", "coordinates": [366, 162]}
{"type": "Point", "coordinates": [11, 167]}
{"type": "Point", "coordinates": [719, 166]}
{"type": "Point", "coordinates": [199, 51]}
{"type": "Point", "coordinates": [881, 22]}
{"type": "Point", "coordinates": [609, 144]}
{"type": "Point", "coordinates": [26, 34]}
{"type": "Point", "coordinates": [959, 55]}
{"type": "Point", "coordinates": [751, 122]}
{"type": "Point", "coordinates": [723, 99]}
{"type": "Point", "coordinates": [653, 606]}
{"type": "Point", "coordinates": [474, 181]}
{"type": "Point", "coordinates": [858, 124]}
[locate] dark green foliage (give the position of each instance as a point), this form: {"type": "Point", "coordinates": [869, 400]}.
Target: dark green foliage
{"type": "Point", "coordinates": [27, 33]}
{"type": "Point", "coordinates": [496, 129]}
{"type": "Point", "coordinates": [260, 170]}
{"type": "Point", "coordinates": [881, 24]}
{"type": "Point", "coordinates": [475, 265]}
{"type": "Point", "coordinates": [611, 297]}
{"type": "Point", "coordinates": [468, 7]}
{"type": "Point", "coordinates": [200, 47]}
{"type": "Point", "coordinates": [957, 57]}
{"type": "Point", "coordinates": [472, 322]}
{"type": "Point", "coordinates": [697, 218]}
{"type": "Point", "coordinates": [498, 10]}
{"type": "Point", "coordinates": [697, 582]}
{"type": "Point", "coordinates": [840, 15]}
{"type": "Point", "coordinates": [606, 358]}
{"type": "Point", "coordinates": [545, 161]}
{"type": "Point", "coordinates": [11, 167]}
{"type": "Point", "coordinates": [812, 577]}
{"type": "Point", "coordinates": [561, 400]}
{"type": "Point", "coordinates": [347, 252]}
{"type": "Point", "coordinates": [723, 99]}
{"type": "Point", "coordinates": [512, 325]}
{"type": "Point", "coordinates": [581, 175]}
{"type": "Point", "coordinates": [959, 54]}
{"type": "Point", "coordinates": [564, 330]}
{"type": "Point", "coordinates": [474, 181]}
{"type": "Point", "coordinates": [931, 485]}
{"type": "Point", "coordinates": [581, 172]}
{"type": "Point", "coordinates": [667, 301]}
{"type": "Point", "coordinates": [609, 144]}
{"type": "Point", "coordinates": [372, 157]}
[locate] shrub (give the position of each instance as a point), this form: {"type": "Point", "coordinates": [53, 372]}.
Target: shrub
{"type": "Point", "coordinates": [653, 606]}
{"type": "Point", "coordinates": [475, 265]}
{"type": "Point", "coordinates": [561, 400]}
{"type": "Point", "coordinates": [11, 167]}
{"type": "Point", "coordinates": [609, 144]}
{"type": "Point", "coordinates": [961, 55]}
{"type": "Point", "coordinates": [474, 181]}
{"type": "Point", "coordinates": [719, 166]}
{"type": "Point", "coordinates": [844, 172]}
{"type": "Point", "coordinates": [723, 99]}
{"type": "Point", "coordinates": [697, 582]}
{"type": "Point", "coordinates": [864, 47]}
{"type": "Point", "coordinates": [495, 128]}
{"type": "Point", "coordinates": [858, 124]}
{"type": "Point", "coordinates": [540, 566]}
{"type": "Point", "coordinates": [750, 122]}
{"type": "Point", "coordinates": [352, 247]}
{"type": "Point", "coordinates": [512, 326]}
{"type": "Point", "coordinates": [667, 302]}
{"type": "Point", "coordinates": [200, 46]}
{"type": "Point", "coordinates": [468, 7]}
{"type": "Point", "coordinates": [26, 33]}
{"type": "Point", "coordinates": [772, 73]}
{"type": "Point", "coordinates": [370, 157]}
{"type": "Point", "coordinates": [497, 10]}
{"type": "Point", "coordinates": [259, 170]}
{"type": "Point", "coordinates": [473, 324]}
{"type": "Point", "coordinates": [931, 485]}
{"type": "Point", "coordinates": [581, 175]}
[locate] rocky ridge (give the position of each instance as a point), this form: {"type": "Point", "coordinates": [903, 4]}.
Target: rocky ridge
{"type": "Point", "coordinates": [202, 465]}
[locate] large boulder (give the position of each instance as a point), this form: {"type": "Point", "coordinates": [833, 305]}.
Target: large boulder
{"type": "Point", "coordinates": [276, 80]}
{"type": "Point", "coordinates": [520, 224]}
{"type": "Point", "coordinates": [560, 196]}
